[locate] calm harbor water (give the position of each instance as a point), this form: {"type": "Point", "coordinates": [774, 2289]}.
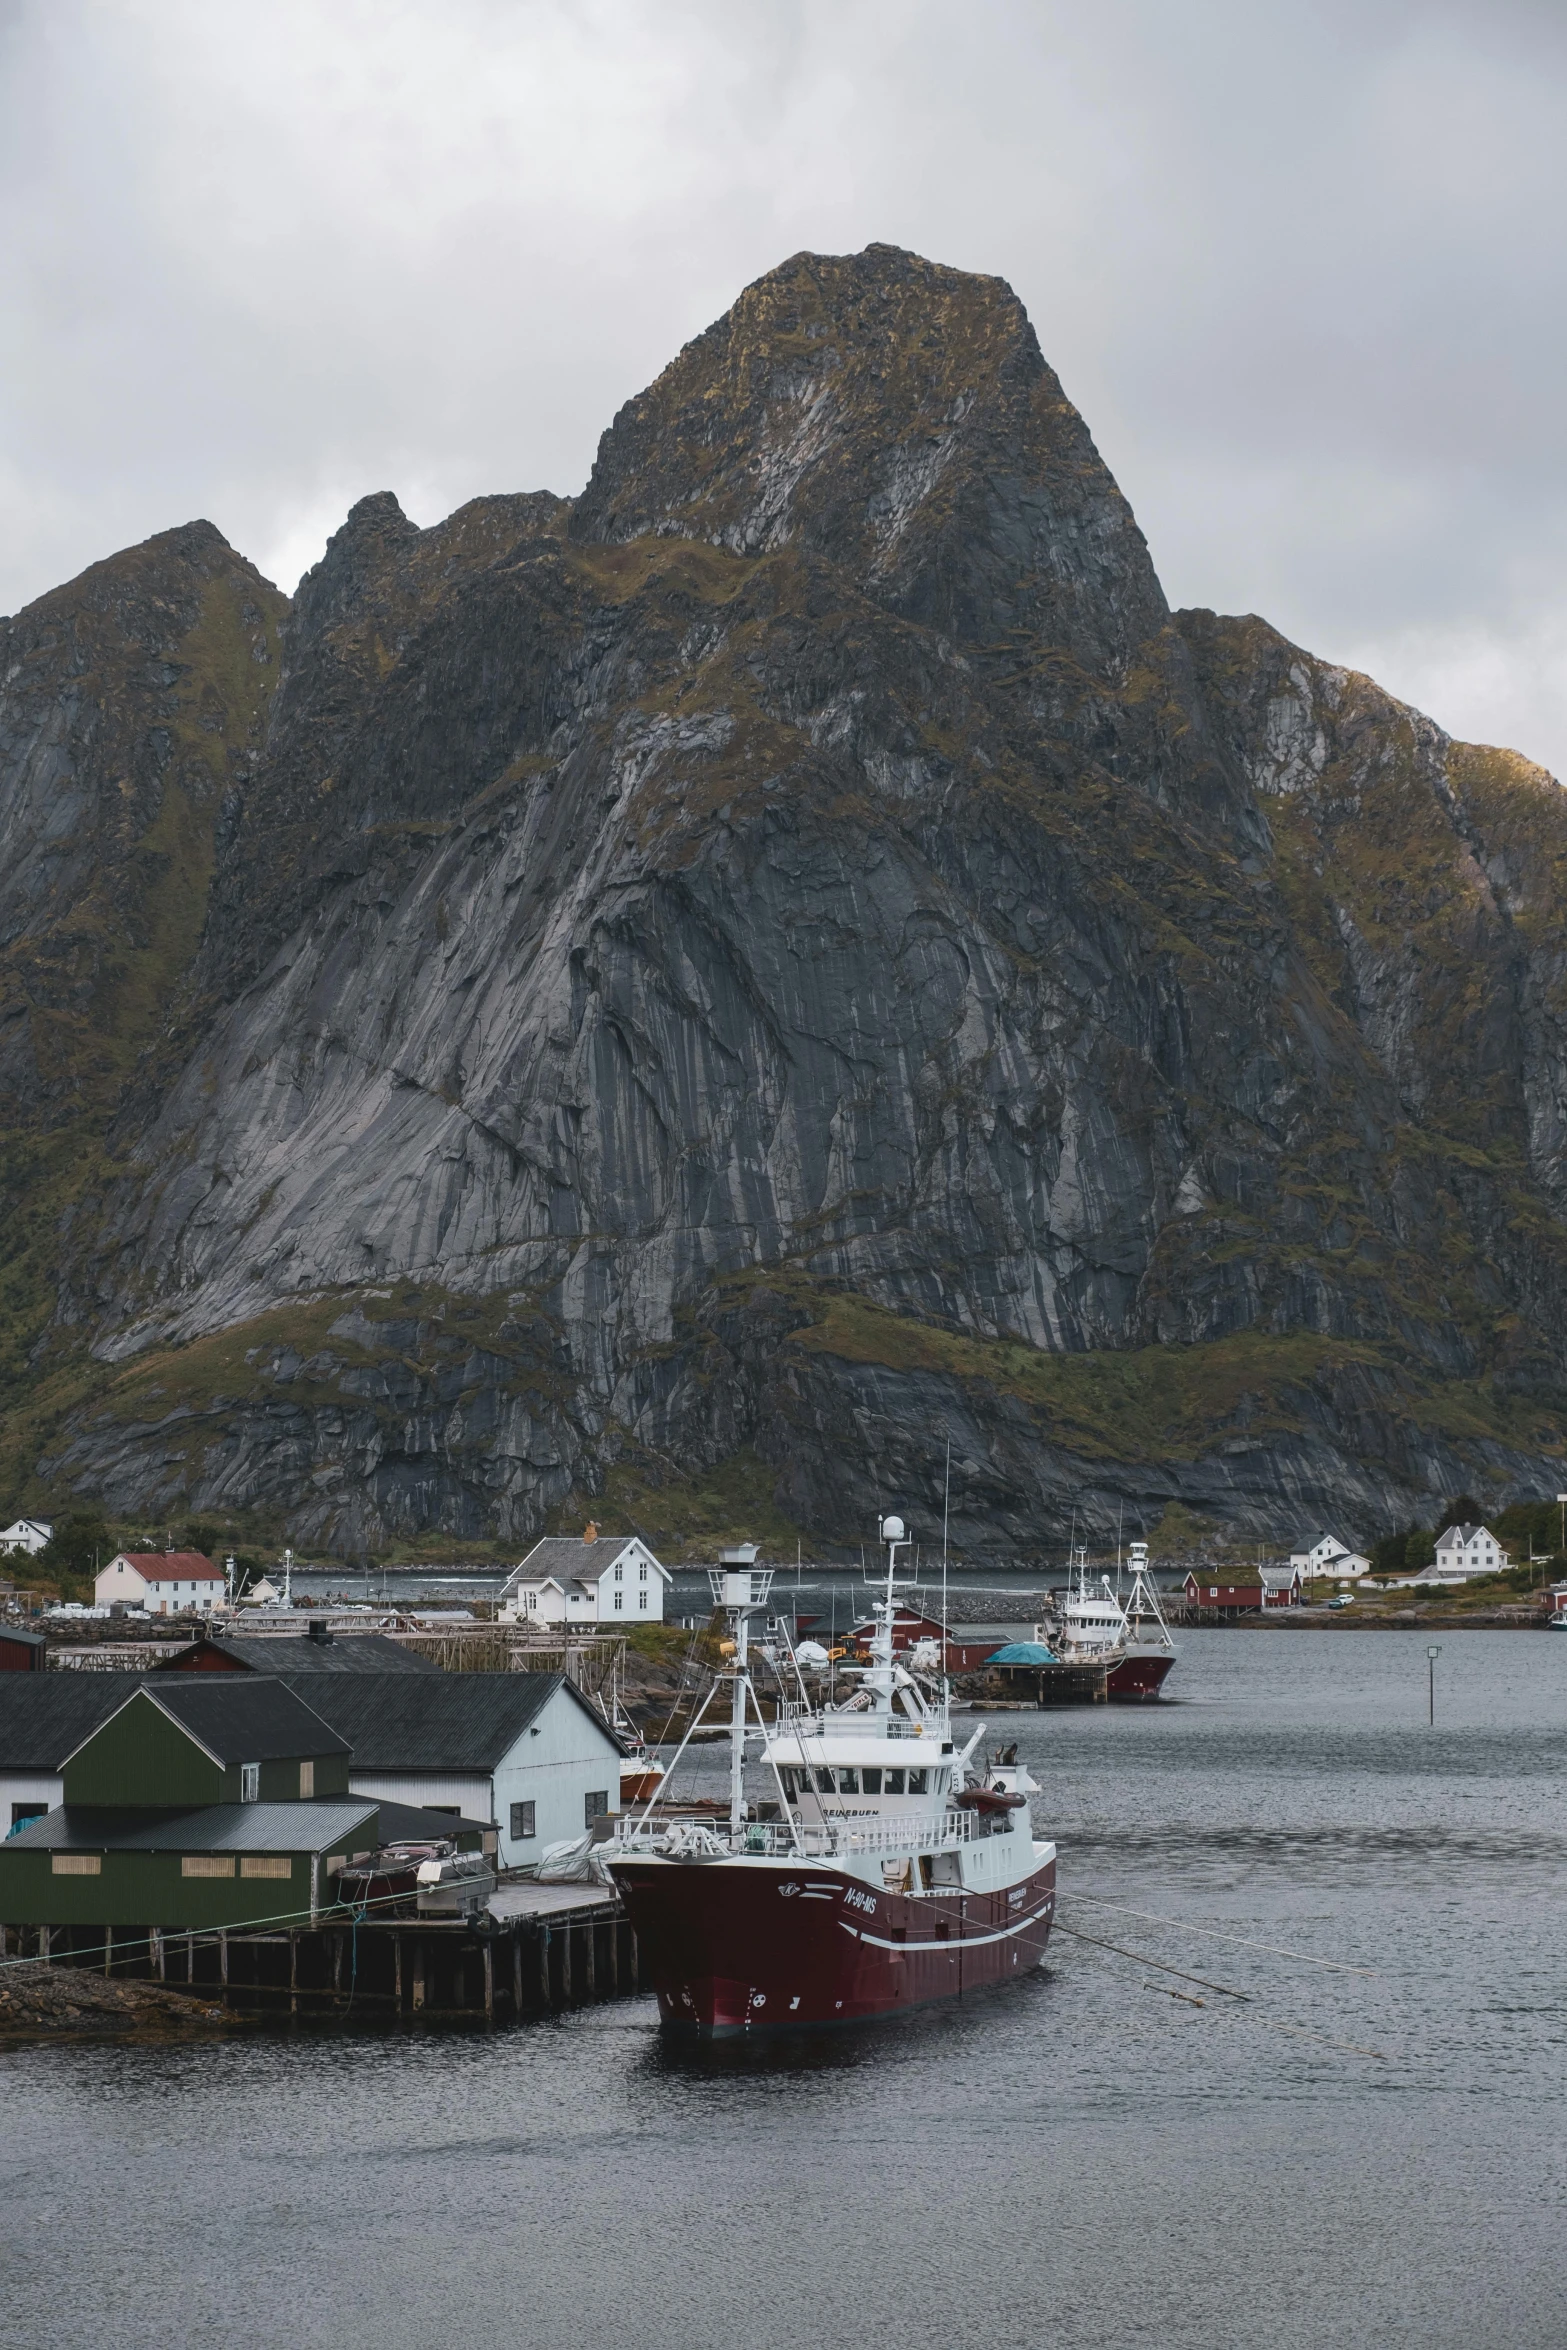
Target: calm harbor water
{"type": "Point", "coordinates": [1079, 2159]}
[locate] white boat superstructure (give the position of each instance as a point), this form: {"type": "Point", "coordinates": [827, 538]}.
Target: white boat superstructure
{"type": "Point", "coordinates": [1093, 1624]}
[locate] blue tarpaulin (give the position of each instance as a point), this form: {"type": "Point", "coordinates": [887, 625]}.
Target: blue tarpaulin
{"type": "Point", "coordinates": [1022, 1652]}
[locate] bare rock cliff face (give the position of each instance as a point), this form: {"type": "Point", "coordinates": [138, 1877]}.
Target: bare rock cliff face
{"type": "Point", "coordinates": [800, 954]}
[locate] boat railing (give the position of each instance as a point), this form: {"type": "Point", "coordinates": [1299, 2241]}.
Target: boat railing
{"type": "Point", "coordinates": [814, 1839]}
{"type": "Point", "coordinates": [812, 1723]}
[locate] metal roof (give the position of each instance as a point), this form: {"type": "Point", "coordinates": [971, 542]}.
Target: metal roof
{"type": "Point", "coordinates": [296, 1652]}
{"type": "Point", "coordinates": [238, 1720]}
{"type": "Point", "coordinates": [439, 1721]}
{"type": "Point", "coordinates": [212, 1827]}
{"type": "Point", "coordinates": [169, 1566]}
{"type": "Point", "coordinates": [45, 1716]}
{"type": "Point", "coordinates": [27, 1639]}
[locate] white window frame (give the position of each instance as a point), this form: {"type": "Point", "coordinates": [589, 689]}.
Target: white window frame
{"type": "Point", "coordinates": [250, 1782]}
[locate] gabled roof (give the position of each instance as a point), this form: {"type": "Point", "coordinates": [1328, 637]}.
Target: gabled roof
{"type": "Point", "coordinates": [170, 1566]}
{"type": "Point", "coordinates": [27, 1639]}
{"type": "Point", "coordinates": [1463, 1534]}
{"type": "Point", "coordinates": [211, 1827]}
{"type": "Point", "coordinates": [45, 1716]}
{"type": "Point", "coordinates": [440, 1721]}
{"type": "Point", "coordinates": [296, 1652]}
{"type": "Point", "coordinates": [237, 1720]}
{"type": "Point", "coordinates": [568, 1557]}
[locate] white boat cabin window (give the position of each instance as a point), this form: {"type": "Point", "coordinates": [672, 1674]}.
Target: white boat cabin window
{"type": "Point", "coordinates": [843, 1779]}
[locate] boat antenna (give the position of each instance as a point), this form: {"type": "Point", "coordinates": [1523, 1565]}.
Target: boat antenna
{"type": "Point", "coordinates": [1120, 1526]}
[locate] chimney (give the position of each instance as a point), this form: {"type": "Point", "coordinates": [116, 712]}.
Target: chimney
{"type": "Point", "coordinates": [320, 1631]}
{"type": "Point", "coordinates": [590, 1532]}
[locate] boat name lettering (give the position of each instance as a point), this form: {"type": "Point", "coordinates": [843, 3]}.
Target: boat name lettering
{"type": "Point", "coordinates": [853, 1899]}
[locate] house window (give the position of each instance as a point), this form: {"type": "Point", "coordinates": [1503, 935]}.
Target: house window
{"type": "Point", "coordinates": [249, 1782]}
{"type": "Point", "coordinates": [644, 1574]}
{"type": "Point", "coordinates": [594, 1806]}
{"type": "Point", "coordinates": [307, 1781]}
{"type": "Point", "coordinates": [620, 1599]}
{"type": "Point", "coordinates": [21, 1813]}
{"type": "Point", "coordinates": [522, 1823]}
{"type": "Point", "coordinates": [76, 1864]}
{"type": "Point", "coordinates": [266, 1864]}
{"type": "Point", "coordinates": [207, 1864]}
{"type": "Point", "coordinates": [620, 1573]}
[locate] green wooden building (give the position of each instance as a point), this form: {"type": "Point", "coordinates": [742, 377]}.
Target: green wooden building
{"type": "Point", "coordinates": [225, 1864]}
{"type": "Point", "coordinates": [195, 1805]}
{"type": "Point", "coordinates": [189, 1741]}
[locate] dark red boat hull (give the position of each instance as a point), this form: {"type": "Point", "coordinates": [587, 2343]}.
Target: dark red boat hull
{"type": "Point", "coordinates": [1139, 1676]}
{"type": "Point", "coordinates": [733, 1948]}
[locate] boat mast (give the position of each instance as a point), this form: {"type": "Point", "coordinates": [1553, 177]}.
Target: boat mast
{"type": "Point", "coordinates": [739, 1588]}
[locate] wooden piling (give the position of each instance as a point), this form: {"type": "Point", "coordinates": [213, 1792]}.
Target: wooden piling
{"type": "Point", "coordinates": [397, 1971]}
{"type": "Point", "coordinates": [418, 2000]}
{"type": "Point", "coordinates": [489, 1980]}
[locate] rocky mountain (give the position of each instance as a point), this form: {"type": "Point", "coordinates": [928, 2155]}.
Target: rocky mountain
{"type": "Point", "coordinates": [718, 988]}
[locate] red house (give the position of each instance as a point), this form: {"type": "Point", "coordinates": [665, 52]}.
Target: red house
{"type": "Point", "coordinates": [908, 1630]}
{"type": "Point", "coordinates": [22, 1652]}
{"type": "Point", "coordinates": [1213, 1591]}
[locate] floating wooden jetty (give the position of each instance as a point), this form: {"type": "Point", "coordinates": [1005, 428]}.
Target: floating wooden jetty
{"type": "Point", "coordinates": [536, 1950]}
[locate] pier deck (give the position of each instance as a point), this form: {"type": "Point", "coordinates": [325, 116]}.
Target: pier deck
{"type": "Point", "coordinates": [536, 1950]}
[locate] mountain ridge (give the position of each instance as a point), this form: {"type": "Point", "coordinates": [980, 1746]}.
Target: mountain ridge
{"type": "Point", "coordinates": [798, 954]}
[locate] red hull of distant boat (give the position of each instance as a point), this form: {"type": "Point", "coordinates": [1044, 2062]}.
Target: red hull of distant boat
{"type": "Point", "coordinates": [1138, 1677]}
{"type": "Point", "coordinates": [733, 1949]}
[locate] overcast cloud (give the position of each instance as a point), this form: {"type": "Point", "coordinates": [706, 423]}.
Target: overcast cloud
{"type": "Point", "coordinates": [1301, 266]}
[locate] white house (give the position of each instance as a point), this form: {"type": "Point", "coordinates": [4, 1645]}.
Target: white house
{"type": "Point", "coordinates": [587, 1579]}
{"type": "Point", "coordinates": [164, 1582]}
{"type": "Point", "coordinates": [1462, 1551]}
{"type": "Point", "coordinates": [26, 1534]}
{"type": "Point", "coordinates": [1329, 1556]}
{"type": "Point", "coordinates": [525, 1751]}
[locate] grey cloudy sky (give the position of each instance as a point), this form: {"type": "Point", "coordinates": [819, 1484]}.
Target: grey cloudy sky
{"type": "Point", "coordinates": [1300, 263]}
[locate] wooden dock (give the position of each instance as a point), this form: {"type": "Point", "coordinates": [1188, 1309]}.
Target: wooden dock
{"type": "Point", "coordinates": [536, 1951]}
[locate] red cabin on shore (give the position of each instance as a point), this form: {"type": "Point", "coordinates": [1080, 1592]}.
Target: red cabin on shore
{"type": "Point", "coordinates": [22, 1652]}
{"type": "Point", "coordinates": [1211, 1591]}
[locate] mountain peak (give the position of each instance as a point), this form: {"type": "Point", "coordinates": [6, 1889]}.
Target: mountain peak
{"type": "Point", "coordinates": [896, 416]}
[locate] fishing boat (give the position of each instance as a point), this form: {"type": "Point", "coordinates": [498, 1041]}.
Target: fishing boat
{"type": "Point", "coordinates": [1131, 1639]}
{"type": "Point", "coordinates": [885, 1868]}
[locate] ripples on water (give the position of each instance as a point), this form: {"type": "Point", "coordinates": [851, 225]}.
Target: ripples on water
{"type": "Point", "coordinates": [1078, 2159]}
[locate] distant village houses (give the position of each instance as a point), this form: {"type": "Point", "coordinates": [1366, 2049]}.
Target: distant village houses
{"type": "Point", "coordinates": [1329, 1557]}
{"type": "Point", "coordinates": [586, 1579]}
{"type": "Point", "coordinates": [26, 1537]}
{"type": "Point", "coordinates": [164, 1582]}
{"type": "Point", "coordinates": [1462, 1551]}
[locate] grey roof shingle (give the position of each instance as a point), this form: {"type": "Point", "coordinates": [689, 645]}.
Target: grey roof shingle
{"type": "Point", "coordinates": [212, 1827]}
{"type": "Point", "coordinates": [296, 1652]}
{"type": "Point", "coordinates": [45, 1716]}
{"type": "Point", "coordinates": [243, 1720]}
{"type": "Point", "coordinates": [569, 1558]}
{"type": "Point", "coordinates": [439, 1721]}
